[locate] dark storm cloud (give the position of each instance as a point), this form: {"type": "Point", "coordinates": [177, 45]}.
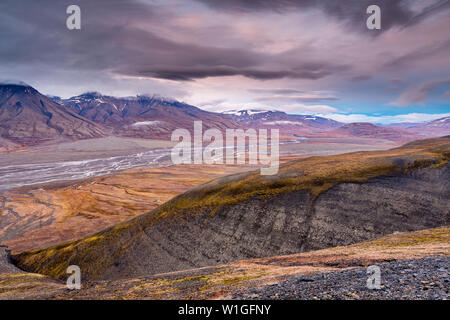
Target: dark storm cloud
{"type": "Point", "coordinates": [112, 40]}
{"type": "Point", "coordinates": [352, 12]}
{"type": "Point", "coordinates": [190, 73]}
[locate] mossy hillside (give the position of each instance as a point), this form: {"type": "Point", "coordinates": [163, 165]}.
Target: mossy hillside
{"type": "Point", "coordinates": [410, 239]}
{"type": "Point", "coordinates": [99, 252]}
{"type": "Point", "coordinates": [315, 174]}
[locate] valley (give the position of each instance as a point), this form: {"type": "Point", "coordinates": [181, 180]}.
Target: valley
{"type": "Point", "coordinates": [60, 187]}
{"type": "Point", "coordinates": [139, 226]}
{"type": "Point", "coordinates": [224, 150]}
{"type": "Point", "coordinates": [311, 204]}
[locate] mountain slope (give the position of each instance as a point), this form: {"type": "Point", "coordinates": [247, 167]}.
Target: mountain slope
{"type": "Point", "coordinates": [28, 118]}
{"type": "Point", "coordinates": [144, 116]}
{"type": "Point", "coordinates": [315, 203]}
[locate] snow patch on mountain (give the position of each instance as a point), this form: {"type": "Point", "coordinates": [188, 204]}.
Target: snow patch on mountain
{"type": "Point", "coordinates": [283, 122]}
{"type": "Point", "coordinates": [152, 123]}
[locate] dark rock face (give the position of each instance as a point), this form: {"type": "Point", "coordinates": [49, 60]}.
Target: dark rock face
{"type": "Point", "coordinates": [351, 212]}
{"type": "Point", "coordinates": [289, 223]}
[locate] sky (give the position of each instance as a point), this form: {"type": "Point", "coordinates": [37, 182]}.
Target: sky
{"type": "Point", "coordinates": [298, 56]}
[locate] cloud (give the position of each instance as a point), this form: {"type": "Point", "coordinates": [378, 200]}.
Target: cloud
{"type": "Point", "coordinates": [283, 96]}
{"type": "Point", "coordinates": [360, 78]}
{"type": "Point", "coordinates": [220, 50]}
{"type": "Point", "coordinates": [296, 98]}
{"type": "Point", "coordinates": [295, 108]}
{"type": "Point", "coordinates": [410, 117]}
{"type": "Point", "coordinates": [418, 94]}
{"type": "Point", "coordinates": [396, 80]}
{"type": "Point", "coordinates": [185, 73]}
{"type": "Point", "coordinates": [276, 91]}
{"type": "Point", "coordinates": [211, 104]}
{"type": "Point", "coordinates": [413, 57]}
{"type": "Point", "coordinates": [353, 12]}
{"type": "Point", "coordinates": [308, 109]}
{"type": "Point", "coordinates": [13, 82]}
{"type": "Point", "coordinates": [124, 38]}
{"type": "Point", "coordinates": [446, 94]}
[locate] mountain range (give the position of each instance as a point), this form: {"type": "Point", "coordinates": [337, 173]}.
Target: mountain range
{"type": "Point", "coordinates": [143, 116]}
{"type": "Point", "coordinates": [29, 118]}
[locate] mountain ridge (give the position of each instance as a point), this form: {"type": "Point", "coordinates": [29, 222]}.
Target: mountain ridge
{"type": "Point", "coordinates": [92, 114]}
{"type": "Point", "coordinates": [144, 116]}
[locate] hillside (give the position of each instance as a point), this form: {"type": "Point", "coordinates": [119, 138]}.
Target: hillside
{"type": "Point", "coordinates": [310, 273]}
{"type": "Point", "coordinates": [315, 203]}
{"type": "Point", "coordinates": [29, 118]}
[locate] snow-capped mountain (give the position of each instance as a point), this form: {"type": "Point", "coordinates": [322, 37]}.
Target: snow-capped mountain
{"type": "Point", "coordinates": [144, 116]}
{"type": "Point", "coordinates": [287, 123]}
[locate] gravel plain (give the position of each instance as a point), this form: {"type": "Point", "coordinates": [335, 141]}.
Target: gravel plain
{"type": "Point", "coordinates": [414, 279]}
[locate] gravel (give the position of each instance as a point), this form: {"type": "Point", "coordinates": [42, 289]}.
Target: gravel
{"type": "Point", "coordinates": [418, 279]}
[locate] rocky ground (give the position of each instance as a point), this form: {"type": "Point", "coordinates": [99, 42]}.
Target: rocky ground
{"type": "Point", "coordinates": [336, 273]}
{"type": "Point", "coordinates": [426, 278]}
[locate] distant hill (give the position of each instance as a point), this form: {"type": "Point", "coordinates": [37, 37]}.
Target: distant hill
{"type": "Point", "coordinates": [29, 118]}
{"type": "Point", "coordinates": [369, 130]}
{"type": "Point", "coordinates": [311, 204]}
{"type": "Point", "coordinates": [439, 127]}
{"type": "Point", "coordinates": [435, 128]}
